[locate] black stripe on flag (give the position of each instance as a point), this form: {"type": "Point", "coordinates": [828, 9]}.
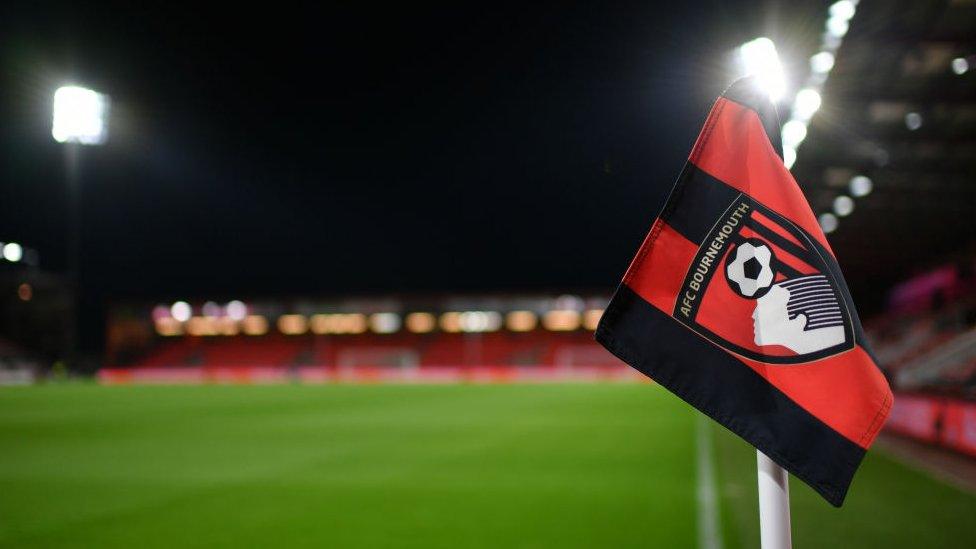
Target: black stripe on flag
{"type": "Point", "coordinates": [729, 392]}
{"type": "Point", "coordinates": [698, 202]}
{"type": "Point", "coordinates": [746, 92]}
{"type": "Point", "coordinates": [770, 235]}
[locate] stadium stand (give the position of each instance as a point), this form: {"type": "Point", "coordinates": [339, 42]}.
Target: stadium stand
{"type": "Point", "coordinates": [926, 343]}
{"type": "Point", "coordinates": [444, 349]}
{"type": "Point", "coordinates": [529, 337]}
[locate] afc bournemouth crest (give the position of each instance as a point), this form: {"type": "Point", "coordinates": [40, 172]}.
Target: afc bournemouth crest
{"type": "Point", "coordinates": [762, 288]}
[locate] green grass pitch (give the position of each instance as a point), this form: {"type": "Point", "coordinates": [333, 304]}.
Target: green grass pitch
{"type": "Point", "coordinates": [563, 465]}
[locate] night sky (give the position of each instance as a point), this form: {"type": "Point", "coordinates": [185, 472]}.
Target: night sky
{"type": "Point", "coordinates": [362, 149]}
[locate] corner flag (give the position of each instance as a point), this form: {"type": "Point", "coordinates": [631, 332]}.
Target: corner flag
{"type": "Point", "coordinates": [735, 303]}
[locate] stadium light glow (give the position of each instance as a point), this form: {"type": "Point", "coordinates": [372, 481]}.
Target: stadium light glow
{"type": "Point", "coordinates": [339, 323]}
{"type": "Point", "coordinates": [168, 327]}
{"type": "Point", "coordinates": [808, 100]}
{"type": "Point", "coordinates": [837, 26]}
{"type": "Point", "coordinates": [806, 103]}
{"type": "Point", "coordinates": [384, 323]}
{"type": "Point", "coordinates": [480, 321]}
{"type": "Point", "coordinates": [353, 323]}
{"type": "Point", "coordinates": [227, 326]}
{"type": "Point", "coordinates": [420, 323]}
{"type": "Point", "coordinates": [255, 325]}
{"type": "Point", "coordinates": [591, 318]}
{"type": "Point", "coordinates": [913, 121]}
{"type": "Point", "coordinates": [843, 10]}
{"type": "Point", "coordinates": [960, 66]}
{"type": "Point", "coordinates": [320, 324]}
{"type": "Point", "coordinates": [13, 252]}
{"type": "Point", "coordinates": [181, 311]}
{"type": "Point", "coordinates": [451, 322]}
{"type": "Point", "coordinates": [292, 324]}
{"type": "Point", "coordinates": [80, 116]}
{"type": "Point", "coordinates": [789, 156]}
{"type": "Point", "coordinates": [794, 132]}
{"type": "Point", "coordinates": [828, 222]}
{"type": "Point", "coordinates": [521, 321]}
{"type": "Point", "coordinates": [759, 58]}
{"type": "Point", "coordinates": [861, 185]}
{"type": "Point", "coordinates": [201, 326]}
{"type": "Point", "coordinates": [561, 320]}
{"type": "Point", "coordinates": [843, 205]}
{"type": "Point", "coordinates": [822, 62]}
{"type": "Point", "coordinates": [236, 310]}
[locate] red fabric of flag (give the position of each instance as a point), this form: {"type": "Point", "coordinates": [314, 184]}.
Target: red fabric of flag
{"type": "Point", "coordinates": [735, 303]}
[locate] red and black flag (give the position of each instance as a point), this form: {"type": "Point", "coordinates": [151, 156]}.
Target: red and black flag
{"type": "Point", "coordinates": [735, 303]}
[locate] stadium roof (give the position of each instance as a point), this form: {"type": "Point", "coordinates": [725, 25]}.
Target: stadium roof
{"type": "Point", "coordinates": [898, 109]}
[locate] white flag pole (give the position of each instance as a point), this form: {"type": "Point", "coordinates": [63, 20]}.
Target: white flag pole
{"type": "Point", "coordinates": [774, 504]}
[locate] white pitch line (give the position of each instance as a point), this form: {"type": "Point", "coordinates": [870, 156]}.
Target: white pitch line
{"type": "Point", "coordinates": [709, 531]}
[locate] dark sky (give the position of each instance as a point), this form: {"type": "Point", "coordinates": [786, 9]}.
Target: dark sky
{"type": "Point", "coordinates": [360, 148]}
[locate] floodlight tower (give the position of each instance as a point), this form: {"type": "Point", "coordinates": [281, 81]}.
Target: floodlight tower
{"type": "Point", "coordinates": [80, 118]}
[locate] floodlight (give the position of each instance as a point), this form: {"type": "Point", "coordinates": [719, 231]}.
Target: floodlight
{"type": "Point", "coordinates": [794, 132]}
{"type": "Point", "coordinates": [480, 321]}
{"type": "Point", "coordinates": [789, 156]}
{"type": "Point", "coordinates": [236, 310]}
{"type": "Point", "coordinates": [844, 9]}
{"type": "Point", "coordinates": [255, 325]}
{"type": "Point", "coordinates": [828, 222]}
{"type": "Point", "coordinates": [843, 205]}
{"type": "Point", "coordinates": [421, 323]}
{"type": "Point", "coordinates": [759, 58]}
{"type": "Point", "coordinates": [561, 320]}
{"type": "Point", "coordinates": [13, 252]}
{"type": "Point", "coordinates": [861, 185]}
{"type": "Point", "coordinates": [292, 324]}
{"type": "Point", "coordinates": [226, 326]}
{"type": "Point", "coordinates": [806, 103]}
{"type": "Point", "coordinates": [181, 311]}
{"type": "Point", "coordinates": [822, 62]}
{"type": "Point", "coordinates": [451, 322]}
{"type": "Point", "coordinates": [167, 326]}
{"type": "Point", "coordinates": [521, 321]}
{"type": "Point", "coordinates": [80, 116]}
{"type": "Point", "coordinates": [591, 318]}
{"type": "Point", "coordinates": [913, 121]}
{"type": "Point", "coordinates": [837, 26]}
{"type": "Point", "coordinates": [960, 65]}
{"type": "Point", "coordinates": [384, 323]}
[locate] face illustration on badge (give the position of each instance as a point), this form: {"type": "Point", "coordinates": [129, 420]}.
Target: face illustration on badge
{"type": "Point", "coordinates": [776, 300]}
{"type": "Point", "coordinates": [801, 314]}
